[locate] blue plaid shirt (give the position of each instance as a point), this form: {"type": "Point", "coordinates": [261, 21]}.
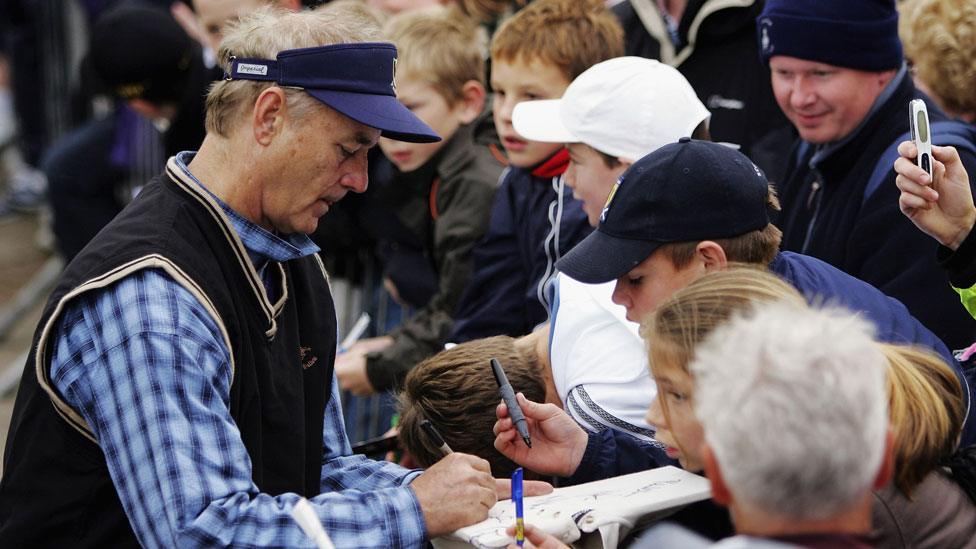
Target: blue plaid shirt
{"type": "Point", "coordinates": [143, 363]}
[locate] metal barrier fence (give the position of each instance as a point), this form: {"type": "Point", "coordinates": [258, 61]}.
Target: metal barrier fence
{"type": "Point", "coordinates": [367, 417]}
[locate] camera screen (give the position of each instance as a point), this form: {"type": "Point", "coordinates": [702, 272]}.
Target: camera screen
{"type": "Point", "coordinates": [923, 130]}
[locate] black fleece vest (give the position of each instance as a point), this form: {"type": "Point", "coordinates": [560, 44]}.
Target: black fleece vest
{"type": "Point", "coordinates": [56, 490]}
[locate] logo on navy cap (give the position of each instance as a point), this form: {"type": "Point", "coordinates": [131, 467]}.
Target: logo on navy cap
{"type": "Point", "coordinates": [393, 80]}
{"type": "Point", "coordinates": [764, 41]}
{"type": "Point", "coordinates": [759, 173]}
{"type": "Point", "coordinates": [606, 205]}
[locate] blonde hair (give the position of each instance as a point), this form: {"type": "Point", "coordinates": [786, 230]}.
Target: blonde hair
{"type": "Point", "coordinates": [676, 328]}
{"type": "Point", "coordinates": [364, 14]}
{"type": "Point", "coordinates": [571, 35]}
{"type": "Point", "coordinates": [927, 409]}
{"type": "Point", "coordinates": [939, 37]}
{"type": "Point", "coordinates": [263, 34]}
{"type": "Point", "coordinates": [757, 247]}
{"type": "Point", "coordinates": [439, 46]}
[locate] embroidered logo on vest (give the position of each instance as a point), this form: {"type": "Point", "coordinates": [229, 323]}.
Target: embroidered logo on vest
{"type": "Point", "coordinates": [306, 364]}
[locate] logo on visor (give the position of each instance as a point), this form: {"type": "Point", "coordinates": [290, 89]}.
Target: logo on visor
{"type": "Point", "coordinates": [250, 68]}
{"type": "Point", "coordinates": [606, 206]}
{"type": "Point", "coordinates": [393, 80]}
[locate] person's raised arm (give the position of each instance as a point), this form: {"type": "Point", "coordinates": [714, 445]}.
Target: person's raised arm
{"type": "Point", "coordinates": [941, 205]}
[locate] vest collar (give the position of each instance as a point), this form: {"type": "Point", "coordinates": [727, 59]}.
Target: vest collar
{"type": "Point", "coordinates": [177, 172]}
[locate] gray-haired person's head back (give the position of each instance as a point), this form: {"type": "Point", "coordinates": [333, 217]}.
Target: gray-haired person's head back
{"type": "Point", "coordinates": [794, 408]}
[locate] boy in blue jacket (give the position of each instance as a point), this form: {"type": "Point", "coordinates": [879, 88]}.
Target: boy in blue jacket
{"type": "Point", "coordinates": [534, 218]}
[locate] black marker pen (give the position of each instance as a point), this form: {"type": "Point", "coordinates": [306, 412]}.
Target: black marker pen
{"type": "Point", "coordinates": [508, 395]}
{"type": "Point", "coordinates": [435, 437]}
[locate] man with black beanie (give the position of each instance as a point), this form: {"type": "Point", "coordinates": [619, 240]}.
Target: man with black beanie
{"type": "Point", "coordinates": [839, 77]}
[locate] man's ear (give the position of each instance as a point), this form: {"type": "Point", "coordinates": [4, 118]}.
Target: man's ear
{"type": "Point", "coordinates": [712, 255]}
{"type": "Point", "coordinates": [887, 470]}
{"type": "Point", "coordinates": [472, 101]}
{"type": "Point", "coordinates": [720, 492]}
{"type": "Point", "coordinates": [267, 117]}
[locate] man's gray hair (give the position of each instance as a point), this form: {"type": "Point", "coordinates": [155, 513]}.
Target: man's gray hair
{"type": "Point", "coordinates": [268, 31]}
{"type": "Point", "coordinates": [794, 407]}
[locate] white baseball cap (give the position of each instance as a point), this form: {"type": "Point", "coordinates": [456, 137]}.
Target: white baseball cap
{"type": "Point", "coordinates": [625, 107]}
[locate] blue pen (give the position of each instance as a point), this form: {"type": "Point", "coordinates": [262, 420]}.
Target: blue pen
{"type": "Point", "coordinates": [517, 497]}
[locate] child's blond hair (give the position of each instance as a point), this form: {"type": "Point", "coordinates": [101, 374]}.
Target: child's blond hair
{"type": "Point", "coordinates": [440, 46]}
{"type": "Point", "coordinates": [927, 408]}
{"type": "Point", "coordinates": [678, 326]}
{"type": "Point", "coordinates": [571, 35]}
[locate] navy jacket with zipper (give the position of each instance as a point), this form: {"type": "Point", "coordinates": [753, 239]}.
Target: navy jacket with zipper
{"type": "Point", "coordinates": [534, 221]}
{"type": "Point", "coordinates": [826, 215]}
{"type": "Point", "coordinates": [611, 453]}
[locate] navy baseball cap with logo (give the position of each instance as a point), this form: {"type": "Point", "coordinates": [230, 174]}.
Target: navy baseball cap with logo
{"type": "Point", "coordinates": [683, 192]}
{"type": "Point", "coordinates": [357, 80]}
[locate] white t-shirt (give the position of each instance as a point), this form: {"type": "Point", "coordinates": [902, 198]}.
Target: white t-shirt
{"type": "Point", "coordinates": [599, 362]}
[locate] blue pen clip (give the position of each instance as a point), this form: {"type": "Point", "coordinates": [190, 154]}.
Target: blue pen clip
{"type": "Point", "coordinates": [519, 516]}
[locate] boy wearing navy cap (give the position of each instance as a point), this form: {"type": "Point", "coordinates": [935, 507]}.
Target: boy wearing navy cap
{"type": "Point", "coordinates": [181, 391]}
{"type": "Point", "coordinates": [838, 75]}
{"type": "Point", "coordinates": [678, 213]}
{"type": "Point", "coordinates": [612, 114]}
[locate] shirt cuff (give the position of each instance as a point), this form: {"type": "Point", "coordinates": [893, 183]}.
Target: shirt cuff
{"type": "Point", "coordinates": [596, 454]}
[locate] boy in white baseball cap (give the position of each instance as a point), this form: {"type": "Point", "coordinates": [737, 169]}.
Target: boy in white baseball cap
{"type": "Point", "coordinates": [610, 116]}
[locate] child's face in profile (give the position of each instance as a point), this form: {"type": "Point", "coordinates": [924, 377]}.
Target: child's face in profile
{"type": "Point", "coordinates": [591, 179]}
{"type": "Point", "coordinates": [514, 81]}
{"type": "Point", "coordinates": [431, 107]}
{"type": "Point", "coordinates": [679, 429]}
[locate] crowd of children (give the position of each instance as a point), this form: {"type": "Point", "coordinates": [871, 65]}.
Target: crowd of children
{"type": "Point", "coordinates": [694, 233]}
{"type": "Point", "coordinates": [675, 231]}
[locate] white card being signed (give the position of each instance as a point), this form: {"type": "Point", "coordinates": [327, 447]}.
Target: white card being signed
{"type": "Point", "coordinates": [611, 506]}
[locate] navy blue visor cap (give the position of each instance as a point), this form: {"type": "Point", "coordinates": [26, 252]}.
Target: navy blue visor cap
{"type": "Point", "coordinates": [357, 80]}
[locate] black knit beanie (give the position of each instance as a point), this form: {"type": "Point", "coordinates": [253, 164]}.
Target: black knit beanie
{"type": "Point", "coordinates": [857, 34]}
{"type": "Point", "coordinates": [140, 51]}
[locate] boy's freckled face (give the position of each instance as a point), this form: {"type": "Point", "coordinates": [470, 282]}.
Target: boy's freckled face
{"type": "Point", "coordinates": [431, 107]}
{"type": "Point", "coordinates": [514, 81]}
